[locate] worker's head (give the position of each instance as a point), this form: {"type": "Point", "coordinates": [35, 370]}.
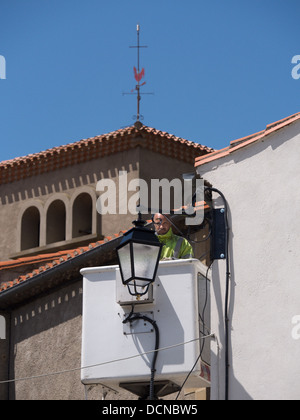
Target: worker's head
{"type": "Point", "coordinates": [161, 224]}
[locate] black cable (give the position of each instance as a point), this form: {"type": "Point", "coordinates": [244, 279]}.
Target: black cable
{"type": "Point", "coordinates": [204, 307]}
{"type": "Point", "coordinates": [184, 382]}
{"type": "Point", "coordinates": [203, 341]}
{"type": "Point", "coordinates": [133, 317]}
{"type": "Point", "coordinates": [227, 290]}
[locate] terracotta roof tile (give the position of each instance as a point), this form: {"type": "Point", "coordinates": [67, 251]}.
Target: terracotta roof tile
{"type": "Point", "coordinates": [52, 260]}
{"type": "Point", "coordinates": [248, 140]}
{"type": "Point", "coordinates": [42, 258]}
{"type": "Point", "coordinates": [97, 147]}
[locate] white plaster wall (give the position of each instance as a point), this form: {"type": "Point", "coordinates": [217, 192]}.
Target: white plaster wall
{"type": "Point", "coordinates": [262, 186]}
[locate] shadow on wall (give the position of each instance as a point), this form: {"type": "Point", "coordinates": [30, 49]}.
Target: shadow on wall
{"type": "Point", "coordinates": [218, 354]}
{"type": "Point", "coordinates": [45, 337]}
{"type": "Point", "coordinates": [240, 393]}
{"type": "Point", "coordinates": [47, 312]}
{"type": "Point", "coordinates": [70, 178]}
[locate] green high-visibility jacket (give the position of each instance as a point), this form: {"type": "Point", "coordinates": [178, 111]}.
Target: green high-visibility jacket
{"type": "Point", "coordinates": [175, 246]}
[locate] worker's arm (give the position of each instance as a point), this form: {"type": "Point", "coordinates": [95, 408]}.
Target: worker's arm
{"type": "Point", "coordinates": [186, 250]}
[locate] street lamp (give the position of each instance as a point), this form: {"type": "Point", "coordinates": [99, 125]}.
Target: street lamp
{"type": "Point", "coordinates": [138, 256]}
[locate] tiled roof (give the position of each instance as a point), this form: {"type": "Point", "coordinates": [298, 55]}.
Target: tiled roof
{"type": "Point", "coordinates": [45, 262]}
{"type": "Point", "coordinates": [246, 141]}
{"type": "Point", "coordinates": [100, 146]}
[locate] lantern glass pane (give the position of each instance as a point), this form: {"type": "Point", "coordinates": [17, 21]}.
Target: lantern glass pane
{"type": "Point", "coordinates": [125, 261]}
{"type": "Point", "coordinates": [138, 287]}
{"type": "Point", "coordinates": [145, 259]}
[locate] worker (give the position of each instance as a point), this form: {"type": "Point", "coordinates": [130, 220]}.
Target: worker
{"type": "Point", "coordinates": [174, 246]}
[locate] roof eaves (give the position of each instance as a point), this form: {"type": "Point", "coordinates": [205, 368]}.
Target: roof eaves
{"type": "Point", "coordinates": [47, 258]}
{"type": "Point", "coordinates": [236, 142]}
{"type": "Point", "coordinates": [246, 141]}
{"type": "Point", "coordinates": [52, 274]}
{"type": "Point", "coordinates": [201, 160]}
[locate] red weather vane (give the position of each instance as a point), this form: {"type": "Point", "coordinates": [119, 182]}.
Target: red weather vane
{"type": "Point", "coordinates": [139, 75]}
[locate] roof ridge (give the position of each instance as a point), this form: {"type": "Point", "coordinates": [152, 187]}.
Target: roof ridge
{"type": "Point", "coordinates": [125, 131]}
{"type": "Point", "coordinates": [283, 120]}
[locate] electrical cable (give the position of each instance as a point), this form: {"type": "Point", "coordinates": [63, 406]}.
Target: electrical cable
{"type": "Point", "coordinates": [201, 318]}
{"type": "Point", "coordinates": [204, 307]}
{"type": "Point", "coordinates": [226, 309]}
{"type": "Point", "coordinates": [45, 375]}
{"type": "Point", "coordinates": [188, 375]}
{"type": "Point", "coordinates": [203, 342]}
{"type": "Point", "coordinates": [133, 317]}
{"type": "Point", "coordinates": [194, 241]}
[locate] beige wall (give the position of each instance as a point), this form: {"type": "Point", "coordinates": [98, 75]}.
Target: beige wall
{"type": "Point", "coordinates": [66, 184]}
{"type": "Point", "coordinates": [46, 337]}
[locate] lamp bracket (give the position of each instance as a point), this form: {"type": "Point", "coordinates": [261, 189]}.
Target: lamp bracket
{"type": "Point", "coordinates": [125, 298]}
{"type": "Point", "coordinates": [139, 222]}
{"type": "Point", "coordinates": [138, 326]}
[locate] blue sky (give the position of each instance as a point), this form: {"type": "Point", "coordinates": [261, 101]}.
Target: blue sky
{"type": "Point", "coordinates": [218, 69]}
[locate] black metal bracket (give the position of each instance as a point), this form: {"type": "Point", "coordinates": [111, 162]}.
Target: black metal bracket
{"type": "Point", "coordinates": [218, 240]}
